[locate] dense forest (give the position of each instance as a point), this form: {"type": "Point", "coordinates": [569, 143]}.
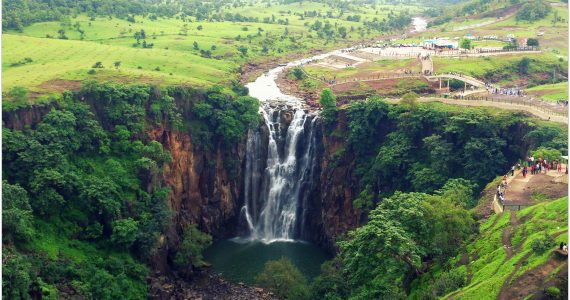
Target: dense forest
{"type": "Point", "coordinates": [88, 183]}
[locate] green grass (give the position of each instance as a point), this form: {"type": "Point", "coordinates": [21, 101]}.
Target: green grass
{"type": "Point", "coordinates": [551, 92]}
{"type": "Point", "coordinates": [173, 59]}
{"type": "Point", "coordinates": [490, 269]}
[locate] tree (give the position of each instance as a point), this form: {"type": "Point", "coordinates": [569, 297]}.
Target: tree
{"type": "Point", "coordinates": [410, 100]}
{"type": "Point", "coordinates": [328, 99]}
{"type": "Point", "coordinates": [16, 214]}
{"type": "Point", "coordinates": [531, 42]}
{"type": "Point", "coordinates": [284, 279]}
{"type": "Point", "coordinates": [547, 153]}
{"type": "Point", "coordinates": [342, 31]}
{"type": "Point", "coordinates": [242, 50]}
{"type": "Point", "coordinates": [466, 44]}
{"type": "Point", "coordinates": [117, 64]}
{"type": "Point", "coordinates": [18, 94]}
{"type": "Point", "coordinates": [196, 45]}
{"type": "Point", "coordinates": [330, 284]}
{"type": "Point", "coordinates": [97, 65]}
{"type": "Point", "coordinates": [533, 11]}
{"type": "Point", "coordinates": [62, 35]}
{"type": "Point", "coordinates": [523, 65]}
{"type": "Point", "coordinates": [125, 232]}
{"type": "Point", "coordinates": [16, 275]}
{"type": "Point", "coordinates": [190, 250]}
{"type": "Point", "coordinates": [298, 73]}
{"type": "Point", "coordinates": [200, 27]}
{"type": "Point", "coordinates": [460, 191]}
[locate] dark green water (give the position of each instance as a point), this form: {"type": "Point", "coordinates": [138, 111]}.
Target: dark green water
{"type": "Point", "coordinates": [242, 261]}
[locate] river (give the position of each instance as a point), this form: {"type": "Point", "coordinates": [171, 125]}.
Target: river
{"type": "Point", "coordinates": [275, 187]}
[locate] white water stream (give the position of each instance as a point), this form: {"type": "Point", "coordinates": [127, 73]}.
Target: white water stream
{"type": "Point", "coordinates": [273, 188]}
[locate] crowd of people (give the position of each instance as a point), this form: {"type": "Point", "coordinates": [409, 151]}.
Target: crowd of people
{"type": "Point", "coordinates": [537, 166]}
{"type": "Point", "coordinates": [505, 91]}
{"type": "Point", "coordinates": [532, 165]}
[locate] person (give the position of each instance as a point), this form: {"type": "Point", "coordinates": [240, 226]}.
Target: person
{"type": "Point", "coordinates": [513, 171]}
{"type": "Point", "coordinates": [559, 167]}
{"type": "Point", "coordinates": [519, 165]}
{"type": "Point", "coordinates": [505, 181]}
{"type": "Point", "coordinates": [565, 248]}
{"type": "Point", "coordinates": [561, 245]}
{"type": "Point", "coordinates": [532, 169]}
{"type": "Point", "coordinates": [498, 190]}
{"type": "Point", "coordinates": [524, 171]}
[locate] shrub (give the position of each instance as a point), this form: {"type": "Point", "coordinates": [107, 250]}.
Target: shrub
{"type": "Point", "coordinates": [552, 293]}
{"type": "Point", "coordinates": [284, 279]}
{"type": "Point", "coordinates": [449, 281]}
{"type": "Point", "coordinates": [190, 251]}
{"type": "Point", "coordinates": [298, 73]}
{"type": "Point", "coordinates": [543, 243]}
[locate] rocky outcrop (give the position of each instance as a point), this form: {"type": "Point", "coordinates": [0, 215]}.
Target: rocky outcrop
{"type": "Point", "coordinates": [204, 190]}
{"type": "Point", "coordinates": [21, 118]}
{"type": "Point", "coordinates": [331, 212]}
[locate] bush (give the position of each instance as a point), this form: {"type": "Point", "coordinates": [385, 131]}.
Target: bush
{"type": "Point", "coordinates": [284, 279]}
{"type": "Point", "coordinates": [449, 281]}
{"type": "Point", "coordinates": [552, 293]}
{"type": "Point", "coordinates": [298, 73]}
{"type": "Point", "coordinates": [190, 251]}
{"type": "Point", "coordinates": [125, 232]}
{"type": "Point", "coordinates": [542, 244]}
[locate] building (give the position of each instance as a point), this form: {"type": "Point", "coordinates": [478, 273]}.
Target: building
{"type": "Point", "coordinates": [439, 43]}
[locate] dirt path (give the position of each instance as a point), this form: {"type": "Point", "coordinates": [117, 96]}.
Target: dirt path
{"type": "Point", "coordinates": [531, 282]}
{"type": "Point", "coordinates": [506, 237]}
{"type": "Point", "coordinates": [521, 189]}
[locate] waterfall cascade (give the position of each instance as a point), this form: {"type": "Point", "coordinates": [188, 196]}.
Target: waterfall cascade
{"type": "Point", "coordinates": [280, 163]}
{"type": "Point", "coordinates": [276, 181]}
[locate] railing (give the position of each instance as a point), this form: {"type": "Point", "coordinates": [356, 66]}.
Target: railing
{"type": "Point", "coordinates": [560, 110]}
{"type": "Point", "coordinates": [547, 108]}
{"type": "Point", "coordinates": [371, 78]}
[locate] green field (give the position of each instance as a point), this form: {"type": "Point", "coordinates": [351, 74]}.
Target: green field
{"type": "Point", "coordinates": [551, 92]}
{"type": "Point", "coordinates": [379, 66]}
{"type": "Point", "coordinates": [55, 63]}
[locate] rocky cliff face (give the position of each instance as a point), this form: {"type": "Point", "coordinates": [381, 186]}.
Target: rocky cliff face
{"type": "Point", "coordinates": [27, 116]}
{"type": "Point", "coordinates": [207, 184]}
{"type": "Point", "coordinates": [204, 190]}
{"type": "Point", "coordinates": [331, 213]}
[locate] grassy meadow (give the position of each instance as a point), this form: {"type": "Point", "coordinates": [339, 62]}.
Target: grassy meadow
{"type": "Point", "coordinates": [488, 264]}
{"type": "Point", "coordinates": [41, 60]}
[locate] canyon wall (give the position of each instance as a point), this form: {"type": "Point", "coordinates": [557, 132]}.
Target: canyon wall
{"type": "Point", "coordinates": [207, 184]}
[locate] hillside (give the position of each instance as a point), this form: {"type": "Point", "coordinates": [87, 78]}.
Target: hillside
{"type": "Point", "coordinates": [503, 260]}
{"type": "Point", "coordinates": [48, 57]}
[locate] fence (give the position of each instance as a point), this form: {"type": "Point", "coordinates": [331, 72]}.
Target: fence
{"type": "Point", "coordinates": [560, 110]}
{"type": "Point", "coordinates": [557, 110]}
{"type": "Point", "coordinates": [375, 77]}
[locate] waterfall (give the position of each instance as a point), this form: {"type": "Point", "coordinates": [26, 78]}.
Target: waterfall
{"type": "Point", "coordinates": [275, 182]}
